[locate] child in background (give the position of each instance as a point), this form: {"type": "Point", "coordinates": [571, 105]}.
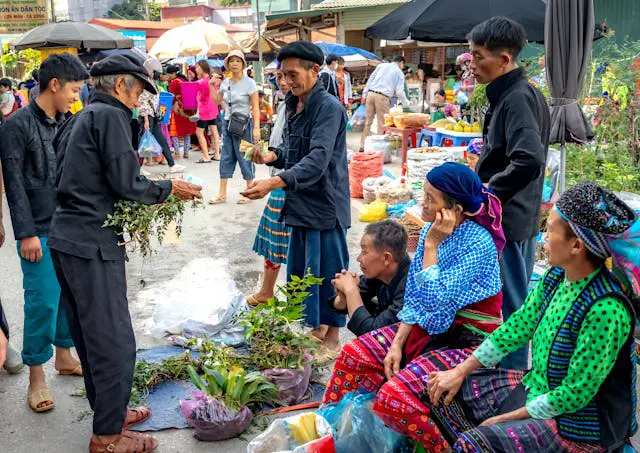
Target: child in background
{"type": "Point", "coordinates": [8, 103]}
{"type": "Point", "coordinates": [473, 152]}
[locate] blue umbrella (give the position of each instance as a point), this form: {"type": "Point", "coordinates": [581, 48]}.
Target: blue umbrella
{"type": "Point", "coordinates": [342, 50]}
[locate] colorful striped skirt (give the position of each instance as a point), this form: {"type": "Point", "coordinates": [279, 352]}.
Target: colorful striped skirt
{"type": "Point", "coordinates": [490, 392]}
{"type": "Point", "coordinates": [272, 239]}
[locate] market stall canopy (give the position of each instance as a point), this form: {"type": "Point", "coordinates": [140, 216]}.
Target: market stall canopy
{"type": "Point", "coordinates": [269, 44]}
{"type": "Point", "coordinates": [197, 38]}
{"type": "Point", "coordinates": [341, 50]}
{"type": "Point", "coordinates": [568, 43]}
{"type": "Point", "coordinates": [213, 62]}
{"type": "Point", "coordinates": [76, 35]}
{"type": "Point", "coordinates": [449, 21]}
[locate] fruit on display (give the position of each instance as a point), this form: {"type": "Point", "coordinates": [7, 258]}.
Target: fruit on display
{"type": "Point", "coordinates": [463, 126]}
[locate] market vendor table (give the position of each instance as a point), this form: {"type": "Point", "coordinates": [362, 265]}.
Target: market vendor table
{"type": "Point", "coordinates": [410, 132]}
{"type": "Point", "coordinates": [457, 138]}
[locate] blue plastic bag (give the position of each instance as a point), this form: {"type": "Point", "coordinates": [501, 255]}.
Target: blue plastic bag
{"type": "Point", "coordinates": [399, 210]}
{"type": "Point", "coordinates": [357, 429]}
{"type": "Point", "coordinates": [356, 123]}
{"type": "Point", "coordinates": [149, 146]}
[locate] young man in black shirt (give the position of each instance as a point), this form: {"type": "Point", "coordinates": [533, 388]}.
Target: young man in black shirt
{"type": "Point", "coordinates": [516, 136]}
{"type": "Point", "coordinates": [374, 299]}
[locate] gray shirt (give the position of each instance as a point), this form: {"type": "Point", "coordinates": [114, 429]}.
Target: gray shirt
{"type": "Point", "coordinates": [237, 96]}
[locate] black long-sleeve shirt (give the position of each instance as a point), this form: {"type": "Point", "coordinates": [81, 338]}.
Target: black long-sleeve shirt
{"type": "Point", "coordinates": [97, 166]}
{"type": "Point", "coordinates": [516, 138]}
{"type": "Point", "coordinates": [381, 303]}
{"type": "Point", "coordinates": [29, 166]}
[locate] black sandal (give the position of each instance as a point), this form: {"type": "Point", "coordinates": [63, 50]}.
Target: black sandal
{"type": "Point", "coordinates": [202, 161]}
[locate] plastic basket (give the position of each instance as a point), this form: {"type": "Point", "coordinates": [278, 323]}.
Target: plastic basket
{"type": "Point", "coordinates": [165, 102]}
{"type": "Point", "coordinates": [189, 92]}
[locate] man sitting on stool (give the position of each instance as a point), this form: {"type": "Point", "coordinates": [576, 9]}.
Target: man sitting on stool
{"type": "Point", "coordinates": [374, 300]}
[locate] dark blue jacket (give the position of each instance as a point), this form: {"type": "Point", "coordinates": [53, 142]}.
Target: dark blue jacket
{"type": "Point", "coordinates": [314, 158]}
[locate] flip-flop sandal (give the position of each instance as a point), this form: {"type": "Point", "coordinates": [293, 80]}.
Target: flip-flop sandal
{"type": "Point", "coordinates": [325, 356]}
{"type": "Point", "coordinates": [218, 200]}
{"type": "Point", "coordinates": [216, 158]}
{"type": "Point", "coordinates": [202, 161]}
{"type": "Point", "coordinates": [35, 400]}
{"type": "Point", "coordinates": [243, 200]}
{"type": "Point", "coordinates": [313, 338]}
{"type": "Point", "coordinates": [135, 416]}
{"type": "Point", "coordinates": [128, 442]}
{"type": "Point", "coordinates": [77, 371]}
{"type": "Point", "coordinates": [253, 302]}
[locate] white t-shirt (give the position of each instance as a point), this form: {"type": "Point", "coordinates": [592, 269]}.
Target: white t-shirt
{"type": "Point", "coordinates": [237, 96]}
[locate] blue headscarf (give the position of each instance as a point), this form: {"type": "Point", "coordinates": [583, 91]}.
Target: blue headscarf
{"type": "Point", "coordinates": [480, 204]}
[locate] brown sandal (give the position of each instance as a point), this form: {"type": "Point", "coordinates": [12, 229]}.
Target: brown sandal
{"type": "Point", "coordinates": [252, 301]}
{"type": "Point", "coordinates": [77, 371]}
{"type": "Point", "coordinates": [127, 442]}
{"type": "Point", "coordinates": [135, 416]}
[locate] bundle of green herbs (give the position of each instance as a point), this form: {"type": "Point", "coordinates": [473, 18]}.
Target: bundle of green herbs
{"type": "Point", "coordinates": [273, 340]}
{"type": "Point", "coordinates": [137, 222]}
{"type": "Point", "coordinates": [147, 375]}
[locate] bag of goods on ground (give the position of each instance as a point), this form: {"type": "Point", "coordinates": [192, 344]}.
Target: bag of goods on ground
{"type": "Point", "coordinates": [292, 384]}
{"type": "Point", "coordinates": [373, 212]}
{"type": "Point", "coordinates": [379, 144]}
{"type": "Point", "coordinates": [407, 120]}
{"type": "Point", "coordinates": [212, 420]}
{"type": "Point", "coordinates": [370, 187]}
{"type": "Point", "coordinates": [421, 161]}
{"type": "Point", "coordinates": [363, 166]}
{"type": "Point", "coordinates": [302, 433]}
{"type": "Point", "coordinates": [394, 193]}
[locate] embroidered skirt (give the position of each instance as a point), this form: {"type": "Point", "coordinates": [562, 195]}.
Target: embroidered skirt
{"type": "Point", "coordinates": [272, 239]}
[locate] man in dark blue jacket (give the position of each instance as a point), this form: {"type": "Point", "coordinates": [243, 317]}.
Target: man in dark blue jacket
{"type": "Point", "coordinates": [316, 182]}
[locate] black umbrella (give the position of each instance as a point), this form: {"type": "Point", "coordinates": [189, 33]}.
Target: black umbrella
{"type": "Point", "coordinates": [450, 20]}
{"type": "Point", "coordinates": [568, 43]}
{"type": "Point", "coordinates": [76, 35]}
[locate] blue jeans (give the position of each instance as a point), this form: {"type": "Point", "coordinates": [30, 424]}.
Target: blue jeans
{"type": "Point", "coordinates": [517, 263]}
{"type": "Point", "coordinates": [45, 319]}
{"type": "Point", "coordinates": [324, 253]}
{"type": "Point", "coordinates": [231, 154]}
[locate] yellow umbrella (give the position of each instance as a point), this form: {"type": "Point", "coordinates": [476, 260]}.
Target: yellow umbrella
{"type": "Point", "coordinates": [197, 38]}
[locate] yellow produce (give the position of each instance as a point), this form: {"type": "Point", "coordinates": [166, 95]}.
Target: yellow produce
{"type": "Point", "coordinates": [458, 128]}
{"type": "Point", "coordinates": [468, 129]}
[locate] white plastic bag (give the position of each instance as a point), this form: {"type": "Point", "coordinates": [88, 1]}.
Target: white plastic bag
{"type": "Point", "coordinates": [308, 433]}
{"type": "Point", "coordinates": [381, 144]}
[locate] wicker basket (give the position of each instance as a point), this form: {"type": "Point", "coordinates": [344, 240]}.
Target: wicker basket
{"type": "Point", "coordinates": [412, 242]}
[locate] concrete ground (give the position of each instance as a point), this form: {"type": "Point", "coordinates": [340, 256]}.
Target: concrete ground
{"type": "Point", "coordinates": [224, 232]}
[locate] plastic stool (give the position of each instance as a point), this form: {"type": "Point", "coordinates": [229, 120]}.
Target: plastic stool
{"type": "Point", "coordinates": [433, 137]}
{"type": "Point", "coordinates": [455, 141]}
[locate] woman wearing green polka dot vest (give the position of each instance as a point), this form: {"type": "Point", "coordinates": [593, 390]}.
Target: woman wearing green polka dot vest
{"type": "Point", "coordinates": [579, 395]}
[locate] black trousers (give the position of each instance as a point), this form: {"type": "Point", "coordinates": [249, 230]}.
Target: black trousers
{"type": "Point", "coordinates": [4, 325]}
{"type": "Point", "coordinates": [95, 293]}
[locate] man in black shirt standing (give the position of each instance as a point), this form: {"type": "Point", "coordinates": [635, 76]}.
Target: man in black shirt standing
{"type": "Point", "coordinates": [516, 136]}
{"type": "Point", "coordinates": [97, 167]}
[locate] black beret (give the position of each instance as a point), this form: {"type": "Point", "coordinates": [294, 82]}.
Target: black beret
{"type": "Point", "coordinates": [124, 64]}
{"type": "Point", "coordinates": [173, 69]}
{"type": "Point", "coordinates": [303, 50]}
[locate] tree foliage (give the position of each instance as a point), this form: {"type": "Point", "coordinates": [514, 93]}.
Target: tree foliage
{"type": "Point", "coordinates": [134, 10]}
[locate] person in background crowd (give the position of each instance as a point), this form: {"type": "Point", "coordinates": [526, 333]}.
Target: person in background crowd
{"type": "Point", "coordinates": [35, 89]}
{"type": "Point", "coordinates": [272, 238]}
{"type": "Point", "coordinates": [328, 75]}
{"type": "Point", "coordinates": [9, 358]}
{"type": "Point", "coordinates": [386, 81]}
{"type": "Point", "coordinates": [208, 98]}
{"type": "Point", "coordinates": [452, 302]}
{"type": "Point", "coordinates": [180, 127]}
{"type": "Point", "coordinates": [579, 396]}
{"type": "Point", "coordinates": [266, 112]}
{"type": "Point", "coordinates": [88, 258]}
{"type": "Point", "coordinates": [148, 118]}
{"type": "Point", "coordinates": [191, 74]}
{"type": "Point", "coordinates": [29, 166]}
{"type": "Point", "coordinates": [440, 104]}
{"type": "Point", "coordinates": [343, 78]}
{"type": "Point", "coordinates": [374, 300]}
{"type": "Point", "coordinates": [468, 82]}
{"type": "Point", "coordinates": [240, 96]}
{"type": "Point", "coordinates": [315, 178]}
{"type": "Point", "coordinates": [8, 104]}
{"type": "Point", "coordinates": [513, 162]}
{"type": "Point", "coordinates": [86, 92]}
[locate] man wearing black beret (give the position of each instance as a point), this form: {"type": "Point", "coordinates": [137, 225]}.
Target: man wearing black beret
{"type": "Point", "coordinates": [97, 166]}
{"type": "Point", "coordinates": [316, 181]}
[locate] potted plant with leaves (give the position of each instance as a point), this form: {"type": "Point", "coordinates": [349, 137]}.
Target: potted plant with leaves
{"type": "Point", "coordinates": [221, 408]}
{"type": "Point", "coordinates": [277, 344]}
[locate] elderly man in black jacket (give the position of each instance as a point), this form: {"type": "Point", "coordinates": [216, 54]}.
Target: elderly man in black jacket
{"type": "Point", "coordinates": [374, 299]}
{"type": "Point", "coordinates": [316, 181]}
{"type": "Point", "coordinates": [97, 167]}
{"type": "Point", "coordinates": [516, 135]}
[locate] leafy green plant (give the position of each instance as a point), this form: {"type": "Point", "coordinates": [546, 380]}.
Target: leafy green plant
{"type": "Point", "coordinates": [273, 341]}
{"type": "Point", "coordinates": [214, 355]}
{"type": "Point", "coordinates": [479, 103]}
{"type": "Point", "coordinates": [139, 222]}
{"type": "Point", "coordinates": [234, 387]}
{"type": "Point", "coordinates": [147, 375]}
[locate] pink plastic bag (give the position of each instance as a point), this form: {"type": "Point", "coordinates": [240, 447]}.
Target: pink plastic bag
{"type": "Point", "coordinates": [212, 420]}
{"type": "Point", "coordinates": [292, 384]}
